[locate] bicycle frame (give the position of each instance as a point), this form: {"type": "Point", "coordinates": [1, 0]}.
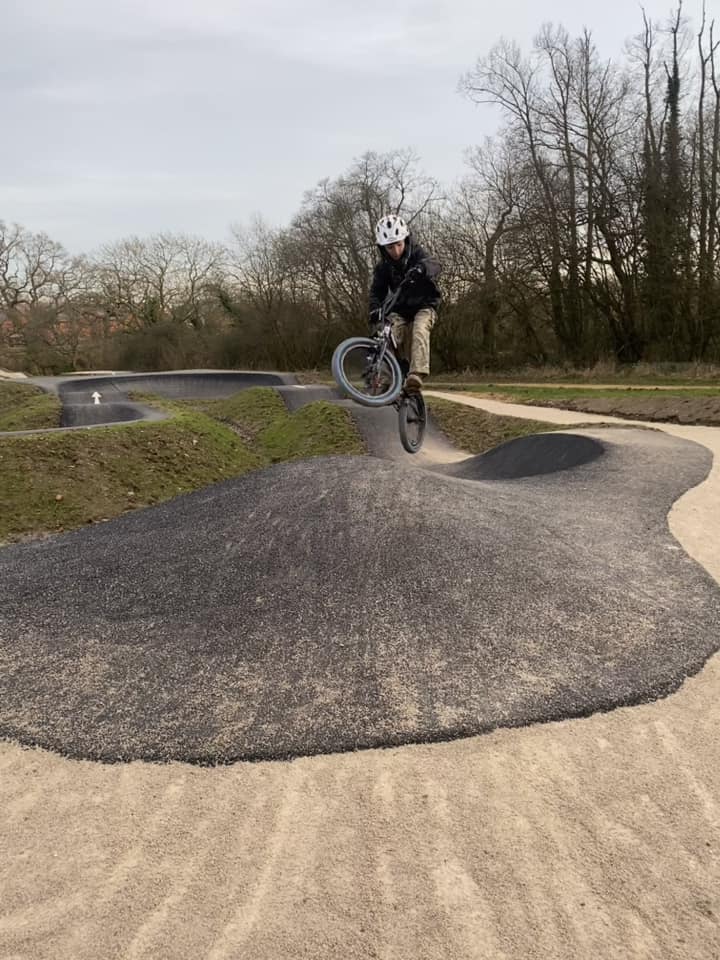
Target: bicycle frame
{"type": "Point", "coordinates": [386, 334]}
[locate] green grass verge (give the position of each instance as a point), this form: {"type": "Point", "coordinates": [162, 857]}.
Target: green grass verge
{"type": "Point", "coordinates": [53, 482]}
{"type": "Point", "coordinates": [26, 407]}
{"type": "Point", "coordinates": [557, 387]}
{"type": "Point", "coordinates": [467, 380]}
{"type": "Point", "coordinates": [477, 431]}
{"type": "Point", "coordinates": [57, 481]}
{"type": "Point", "coordinates": [254, 409]}
{"type": "Point", "coordinates": [260, 417]}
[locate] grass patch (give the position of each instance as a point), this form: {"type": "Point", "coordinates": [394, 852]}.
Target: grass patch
{"type": "Point", "coordinates": [477, 431]}
{"type": "Point", "coordinates": [57, 481]}
{"type": "Point", "coordinates": [260, 417]}
{"type": "Point", "coordinates": [252, 410]}
{"type": "Point", "coordinates": [550, 386]}
{"type": "Point", "coordinates": [317, 430]}
{"type": "Point", "coordinates": [54, 482]}
{"type": "Point", "coordinates": [667, 373]}
{"type": "Point", "coordinates": [26, 407]}
{"type": "Point", "coordinates": [602, 373]}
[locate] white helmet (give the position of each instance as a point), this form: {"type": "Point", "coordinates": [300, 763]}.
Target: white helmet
{"type": "Point", "coordinates": [391, 229]}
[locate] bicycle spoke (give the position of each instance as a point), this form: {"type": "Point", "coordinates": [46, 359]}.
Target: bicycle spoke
{"type": "Point", "coordinates": [366, 373]}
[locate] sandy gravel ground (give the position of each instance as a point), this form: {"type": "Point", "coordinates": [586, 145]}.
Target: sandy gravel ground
{"type": "Point", "coordinates": [589, 838]}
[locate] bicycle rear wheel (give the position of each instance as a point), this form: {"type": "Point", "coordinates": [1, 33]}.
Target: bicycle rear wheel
{"type": "Point", "coordinates": [367, 372]}
{"type": "Point", "coordinates": [412, 421]}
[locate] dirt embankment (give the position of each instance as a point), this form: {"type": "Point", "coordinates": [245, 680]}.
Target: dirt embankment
{"type": "Point", "coordinates": [704, 411]}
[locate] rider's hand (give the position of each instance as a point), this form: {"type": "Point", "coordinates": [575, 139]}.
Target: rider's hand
{"type": "Point", "coordinates": [415, 273]}
{"type": "Point", "coordinates": [374, 322]}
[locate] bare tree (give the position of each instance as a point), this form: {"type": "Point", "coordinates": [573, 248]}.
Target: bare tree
{"type": "Point", "coordinates": [164, 278]}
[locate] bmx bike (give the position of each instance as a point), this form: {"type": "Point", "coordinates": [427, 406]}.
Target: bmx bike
{"type": "Point", "coordinates": [370, 372]}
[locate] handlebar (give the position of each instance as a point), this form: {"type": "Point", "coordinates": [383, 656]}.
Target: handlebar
{"type": "Point", "coordinates": [392, 295]}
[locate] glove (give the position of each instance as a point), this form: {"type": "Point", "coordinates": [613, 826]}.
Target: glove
{"type": "Point", "coordinates": [415, 273]}
{"type": "Point", "coordinates": [374, 322]}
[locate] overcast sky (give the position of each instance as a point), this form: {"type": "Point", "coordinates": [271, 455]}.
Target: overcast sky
{"type": "Point", "coordinates": [135, 116]}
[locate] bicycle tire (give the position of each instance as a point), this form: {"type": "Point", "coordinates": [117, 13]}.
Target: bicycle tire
{"type": "Point", "coordinates": [412, 421]}
{"type": "Point", "coordinates": [389, 366]}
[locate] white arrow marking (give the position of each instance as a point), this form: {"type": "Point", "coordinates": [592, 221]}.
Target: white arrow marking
{"type": "Point", "coordinates": [96, 397]}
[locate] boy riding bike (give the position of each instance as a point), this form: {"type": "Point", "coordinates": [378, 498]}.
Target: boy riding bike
{"type": "Point", "coordinates": [415, 311]}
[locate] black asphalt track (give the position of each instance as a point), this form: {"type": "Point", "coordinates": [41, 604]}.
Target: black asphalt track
{"type": "Point", "coordinates": [80, 409]}
{"type": "Point", "coordinates": [90, 414]}
{"type": "Point", "coordinates": [529, 457]}
{"type": "Point", "coordinates": [341, 603]}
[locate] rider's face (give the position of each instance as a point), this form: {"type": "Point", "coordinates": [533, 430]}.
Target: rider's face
{"type": "Point", "coordinates": [396, 249]}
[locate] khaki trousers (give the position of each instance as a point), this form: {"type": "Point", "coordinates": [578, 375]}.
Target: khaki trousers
{"type": "Point", "coordinates": [413, 338]}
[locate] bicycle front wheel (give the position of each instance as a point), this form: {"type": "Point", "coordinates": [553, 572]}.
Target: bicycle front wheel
{"type": "Point", "coordinates": [367, 371]}
{"type": "Point", "coordinates": [412, 420]}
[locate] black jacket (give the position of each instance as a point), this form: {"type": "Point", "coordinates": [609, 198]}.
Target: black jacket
{"type": "Point", "coordinates": [389, 273]}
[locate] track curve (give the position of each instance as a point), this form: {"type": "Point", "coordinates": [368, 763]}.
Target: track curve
{"type": "Point", "coordinates": [340, 603]}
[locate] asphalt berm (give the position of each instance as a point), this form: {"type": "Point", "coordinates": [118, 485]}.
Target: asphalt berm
{"type": "Point", "coordinates": [342, 603]}
{"type": "Point", "coordinates": [80, 408]}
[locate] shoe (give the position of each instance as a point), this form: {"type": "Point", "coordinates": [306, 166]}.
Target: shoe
{"type": "Point", "coordinates": [414, 383]}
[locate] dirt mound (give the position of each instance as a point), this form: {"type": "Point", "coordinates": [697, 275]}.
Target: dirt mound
{"type": "Point", "coordinates": [529, 457]}
{"type": "Point", "coordinates": [647, 405]}
{"type": "Point", "coordinates": [348, 602]}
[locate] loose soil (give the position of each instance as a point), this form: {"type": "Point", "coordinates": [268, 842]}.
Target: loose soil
{"type": "Point", "coordinates": [653, 407]}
